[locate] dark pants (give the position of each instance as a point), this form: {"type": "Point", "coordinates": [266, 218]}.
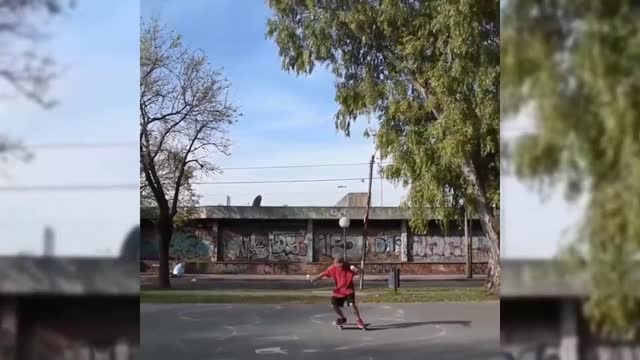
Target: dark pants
{"type": "Point", "coordinates": [339, 301]}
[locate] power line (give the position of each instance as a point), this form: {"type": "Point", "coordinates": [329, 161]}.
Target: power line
{"type": "Point", "coordinates": [291, 166]}
{"type": "Point", "coordinates": [308, 192]}
{"type": "Point", "coordinates": [115, 187]}
{"type": "Point", "coordinates": [276, 181]}
{"type": "Point", "coordinates": [64, 146]}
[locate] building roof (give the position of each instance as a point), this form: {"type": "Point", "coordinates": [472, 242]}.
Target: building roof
{"type": "Point", "coordinates": [540, 278]}
{"type": "Point", "coordinates": [353, 199]}
{"type": "Point", "coordinates": [291, 212]}
{"type": "Point", "coordinates": [68, 276]}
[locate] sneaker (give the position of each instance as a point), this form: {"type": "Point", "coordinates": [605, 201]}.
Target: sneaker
{"type": "Point", "coordinates": [340, 321]}
{"type": "Point", "coordinates": [360, 323]}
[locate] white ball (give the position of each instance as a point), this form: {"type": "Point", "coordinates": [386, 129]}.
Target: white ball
{"type": "Point", "coordinates": [308, 277]}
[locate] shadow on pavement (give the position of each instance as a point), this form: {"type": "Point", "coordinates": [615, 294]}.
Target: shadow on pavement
{"type": "Point", "coordinates": [406, 325]}
{"type": "Point", "coordinates": [428, 350]}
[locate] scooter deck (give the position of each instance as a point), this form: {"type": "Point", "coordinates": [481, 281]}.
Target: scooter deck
{"type": "Point", "coordinates": [352, 326]}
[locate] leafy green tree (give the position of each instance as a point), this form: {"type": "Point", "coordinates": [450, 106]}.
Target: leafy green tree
{"type": "Point", "coordinates": [429, 72]}
{"type": "Point", "coordinates": [577, 63]}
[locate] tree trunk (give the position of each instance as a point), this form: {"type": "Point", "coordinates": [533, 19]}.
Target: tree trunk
{"type": "Point", "coordinates": [494, 274]}
{"type": "Point", "coordinates": [165, 230]}
{"type": "Point", "coordinates": [485, 213]}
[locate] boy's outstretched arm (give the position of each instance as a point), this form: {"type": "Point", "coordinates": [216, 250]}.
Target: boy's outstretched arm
{"type": "Point", "coordinates": [325, 273]}
{"type": "Point", "coordinates": [313, 281]}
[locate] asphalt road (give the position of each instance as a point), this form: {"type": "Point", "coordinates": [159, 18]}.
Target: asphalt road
{"type": "Point", "coordinates": [228, 284]}
{"type": "Point", "coordinates": [443, 331]}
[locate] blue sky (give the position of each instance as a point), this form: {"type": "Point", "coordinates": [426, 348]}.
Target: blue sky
{"type": "Point", "coordinates": [97, 48]}
{"type": "Point", "coordinates": [287, 120]}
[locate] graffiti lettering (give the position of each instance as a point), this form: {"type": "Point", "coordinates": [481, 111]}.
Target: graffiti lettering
{"type": "Point", "coordinates": [246, 246]}
{"type": "Point", "coordinates": [338, 212]}
{"type": "Point", "coordinates": [387, 244]}
{"type": "Point", "coordinates": [290, 246]}
{"type": "Point", "coordinates": [380, 268]}
{"type": "Point", "coordinates": [253, 246]}
{"type": "Point", "coordinates": [192, 245]}
{"type": "Point", "coordinates": [480, 248]}
{"type": "Point", "coordinates": [330, 244]}
{"type": "Point", "coordinates": [447, 248]}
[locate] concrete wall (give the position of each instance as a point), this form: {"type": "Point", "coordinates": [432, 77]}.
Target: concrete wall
{"type": "Point", "coordinates": [383, 241]}
{"type": "Point", "coordinates": [284, 268]}
{"type": "Point", "coordinates": [282, 243]}
{"type": "Point", "coordinates": [267, 240]}
{"type": "Point", "coordinates": [554, 328]}
{"type": "Point", "coordinates": [197, 241]}
{"type": "Point", "coordinates": [80, 328]}
{"type": "Point", "coordinates": [436, 245]}
{"type": "Point", "coordinates": [529, 329]}
{"type": "Point", "coordinates": [593, 347]}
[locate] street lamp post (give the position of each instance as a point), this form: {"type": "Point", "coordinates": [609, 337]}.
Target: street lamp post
{"type": "Point", "coordinates": [344, 224]}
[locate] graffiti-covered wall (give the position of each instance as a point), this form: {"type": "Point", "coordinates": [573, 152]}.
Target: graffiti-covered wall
{"type": "Point", "coordinates": [198, 241]}
{"type": "Point", "coordinates": [58, 328]}
{"type": "Point", "coordinates": [438, 245]}
{"type": "Point", "coordinates": [148, 241]}
{"type": "Point", "coordinates": [281, 241]}
{"type": "Point", "coordinates": [537, 329]}
{"type": "Point", "coordinates": [265, 241]}
{"type": "Point", "coordinates": [383, 241]}
{"type": "Point", "coordinates": [194, 243]}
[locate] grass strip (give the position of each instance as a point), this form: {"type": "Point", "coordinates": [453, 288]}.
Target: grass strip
{"type": "Point", "coordinates": [417, 295]}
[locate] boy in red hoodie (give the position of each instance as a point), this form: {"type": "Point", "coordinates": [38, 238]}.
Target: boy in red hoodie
{"type": "Point", "coordinates": [342, 274]}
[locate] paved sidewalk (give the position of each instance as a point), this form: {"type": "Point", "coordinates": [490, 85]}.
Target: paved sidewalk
{"type": "Point", "coordinates": [304, 278]}
{"type": "Point", "coordinates": [297, 282]}
{"type": "Point", "coordinates": [259, 292]}
{"type": "Point", "coordinates": [266, 292]}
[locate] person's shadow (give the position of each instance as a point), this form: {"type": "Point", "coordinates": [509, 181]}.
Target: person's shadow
{"type": "Point", "coordinates": [411, 324]}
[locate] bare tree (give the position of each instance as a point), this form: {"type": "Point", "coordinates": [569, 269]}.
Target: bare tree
{"type": "Point", "coordinates": [188, 198]}
{"type": "Point", "coordinates": [184, 119]}
{"type": "Point", "coordinates": [22, 68]}
{"type": "Point", "coordinates": [23, 71]}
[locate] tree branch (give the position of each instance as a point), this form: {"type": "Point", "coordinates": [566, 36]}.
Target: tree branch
{"type": "Point", "coordinates": [174, 206]}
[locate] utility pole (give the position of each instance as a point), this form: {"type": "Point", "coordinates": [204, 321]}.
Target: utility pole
{"type": "Point", "coordinates": [364, 227]}
{"type": "Point", "coordinates": [381, 190]}
{"type": "Point", "coordinates": [468, 240]}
